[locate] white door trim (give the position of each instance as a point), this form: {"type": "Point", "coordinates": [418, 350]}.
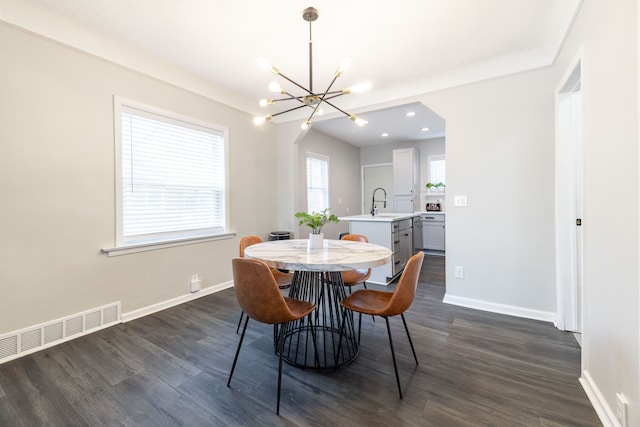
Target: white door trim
{"type": "Point", "coordinates": [568, 197]}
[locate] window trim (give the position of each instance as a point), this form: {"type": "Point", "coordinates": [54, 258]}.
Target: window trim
{"type": "Point", "coordinates": [435, 158]}
{"type": "Point", "coordinates": [121, 247]}
{"type": "Point", "coordinates": [322, 157]}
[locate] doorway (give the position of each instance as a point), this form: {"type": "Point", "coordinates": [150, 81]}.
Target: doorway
{"type": "Point", "coordinates": [568, 199]}
{"type": "Point", "coordinates": [374, 176]}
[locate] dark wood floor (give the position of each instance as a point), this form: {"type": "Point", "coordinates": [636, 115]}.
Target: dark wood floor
{"type": "Point", "coordinates": [171, 368]}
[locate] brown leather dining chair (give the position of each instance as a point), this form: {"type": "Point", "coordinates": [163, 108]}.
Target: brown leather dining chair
{"type": "Point", "coordinates": [258, 294]}
{"type": "Point", "coordinates": [283, 279]}
{"type": "Point", "coordinates": [387, 304]}
{"type": "Point", "coordinates": [355, 277]}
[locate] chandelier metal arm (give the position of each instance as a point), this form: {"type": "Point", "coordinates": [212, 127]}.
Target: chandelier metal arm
{"type": "Point", "coordinates": [339, 109]}
{"type": "Point", "coordinates": [309, 91]}
{"type": "Point", "coordinates": [332, 94]}
{"type": "Point", "coordinates": [289, 110]}
{"type": "Point", "coordinates": [322, 98]}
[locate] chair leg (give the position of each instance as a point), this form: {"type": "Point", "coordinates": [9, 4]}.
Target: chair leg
{"type": "Point", "coordinates": [365, 286]}
{"type": "Point", "coordinates": [235, 359]}
{"type": "Point", "coordinates": [409, 336]}
{"type": "Point", "coordinates": [281, 350]}
{"type": "Point", "coordinates": [276, 335]}
{"type": "Point", "coordinates": [393, 356]}
{"type": "Point", "coordinates": [239, 322]}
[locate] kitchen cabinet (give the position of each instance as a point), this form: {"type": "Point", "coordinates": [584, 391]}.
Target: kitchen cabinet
{"type": "Point", "coordinates": [402, 245]}
{"type": "Point", "coordinates": [393, 231]}
{"type": "Point", "coordinates": [433, 231]}
{"type": "Point", "coordinates": [406, 176]}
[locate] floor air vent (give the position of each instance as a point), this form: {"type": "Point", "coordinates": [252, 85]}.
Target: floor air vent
{"type": "Point", "coordinates": [38, 337]}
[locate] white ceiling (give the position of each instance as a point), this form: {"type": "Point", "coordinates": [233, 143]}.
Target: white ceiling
{"type": "Point", "coordinates": [403, 47]}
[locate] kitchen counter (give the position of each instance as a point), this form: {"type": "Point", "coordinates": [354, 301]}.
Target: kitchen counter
{"type": "Point", "coordinates": [391, 230]}
{"type": "Point", "coordinates": [381, 217]}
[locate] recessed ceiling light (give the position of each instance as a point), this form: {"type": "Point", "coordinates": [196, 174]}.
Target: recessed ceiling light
{"type": "Point", "coordinates": [411, 113]}
{"type": "Point", "coordinates": [384, 134]}
{"type": "Point", "coordinates": [424, 129]}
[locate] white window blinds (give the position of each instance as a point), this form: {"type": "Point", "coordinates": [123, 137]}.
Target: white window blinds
{"type": "Point", "coordinates": [173, 177]}
{"type": "Point", "coordinates": [317, 183]}
{"type": "Point", "coordinates": [437, 169]}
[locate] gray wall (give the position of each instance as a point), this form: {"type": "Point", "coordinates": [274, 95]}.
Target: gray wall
{"type": "Point", "coordinates": [504, 238]}
{"type": "Point", "coordinates": [57, 186]}
{"type": "Point", "coordinates": [607, 33]}
{"type": "Point", "coordinates": [344, 179]}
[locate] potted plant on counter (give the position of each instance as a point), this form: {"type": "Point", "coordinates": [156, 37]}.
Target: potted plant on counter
{"type": "Point", "coordinates": [315, 221]}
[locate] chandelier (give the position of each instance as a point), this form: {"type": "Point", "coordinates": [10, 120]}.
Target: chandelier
{"type": "Point", "coordinates": [310, 98]}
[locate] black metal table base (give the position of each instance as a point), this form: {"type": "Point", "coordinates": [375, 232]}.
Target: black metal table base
{"type": "Point", "coordinates": [326, 290]}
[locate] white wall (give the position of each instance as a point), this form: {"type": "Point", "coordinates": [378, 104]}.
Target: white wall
{"type": "Point", "coordinates": [608, 34]}
{"type": "Point", "coordinates": [57, 186]}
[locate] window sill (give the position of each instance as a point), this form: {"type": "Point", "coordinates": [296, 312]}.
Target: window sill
{"type": "Point", "coordinates": [152, 246]}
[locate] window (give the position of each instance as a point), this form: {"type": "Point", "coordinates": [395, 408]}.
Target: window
{"type": "Point", "coordinates": [171, 176]}
{"type": "Point", "coordinates": [437, 169]}
{"type": "Point", "coordinates": [317, 182]}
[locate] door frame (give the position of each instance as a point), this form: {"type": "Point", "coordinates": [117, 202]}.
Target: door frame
{"type": "Point", "coordinates": [569, 198]}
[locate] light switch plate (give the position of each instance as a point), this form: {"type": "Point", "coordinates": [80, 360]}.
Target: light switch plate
{"type": "Point", "coordinates": [460, 201]}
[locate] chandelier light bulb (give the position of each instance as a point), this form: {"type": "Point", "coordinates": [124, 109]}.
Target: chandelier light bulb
{"type": "Point", "coordinates": [275, 87]}
{"type": "Point", "coordinates": [305, 125]}
{"type": "Point", "coordinates": [344, 65]}
{"type": "Point", "coordinates": [265, 102]}
{"type": "Point", "coordinates": [357, 120]}
{"type": "Point", "coordinates": [258, 120]}
{"type": "Point", "coordinates": [359, 88]}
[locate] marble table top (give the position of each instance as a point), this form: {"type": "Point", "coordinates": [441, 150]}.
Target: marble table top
{"type": "Point", "coordinates": [336, 255]}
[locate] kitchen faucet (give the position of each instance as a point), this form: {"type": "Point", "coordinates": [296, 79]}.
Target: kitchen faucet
{"type": "Point", "coordinates": [374, 209]}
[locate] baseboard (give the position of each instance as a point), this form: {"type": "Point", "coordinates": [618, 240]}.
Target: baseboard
{"type": "Point", "coordinates": [493, 307]}
{"type": "Point", "coordinates": [150, 309]}
{"type": "Point", "coordinates": [20, 343]}
{"type": "Point", "coordinates": [599, 403]}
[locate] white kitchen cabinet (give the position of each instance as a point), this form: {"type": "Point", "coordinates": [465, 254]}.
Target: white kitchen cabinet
{"type": "Point", "coordinates": [406, 176]}
{"type": "Point", "coordinates": [393, 232]}
{"type": "Point", "coordinates": [403, 204]}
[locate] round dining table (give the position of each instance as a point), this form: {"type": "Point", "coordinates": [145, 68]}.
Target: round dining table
{"type": "Point", "coordinates": [317, 278]}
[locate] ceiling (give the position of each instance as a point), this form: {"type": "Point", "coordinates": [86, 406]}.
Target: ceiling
{"type": "Point", "coordinates": [403, 47]}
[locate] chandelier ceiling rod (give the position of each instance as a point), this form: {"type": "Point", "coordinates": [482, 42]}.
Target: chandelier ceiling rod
{"type": "Point", "coordinates": [310, 99]}
{"type": "Point", "coordinates": [310, 14]}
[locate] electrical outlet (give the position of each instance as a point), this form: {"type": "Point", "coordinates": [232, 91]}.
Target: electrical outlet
{"type": "Point", "coordinates": [195, 284]}
{"type": "Point", "coordinates": [459, 272]}
{"type": "Point", "coordinates": [621, 409]}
